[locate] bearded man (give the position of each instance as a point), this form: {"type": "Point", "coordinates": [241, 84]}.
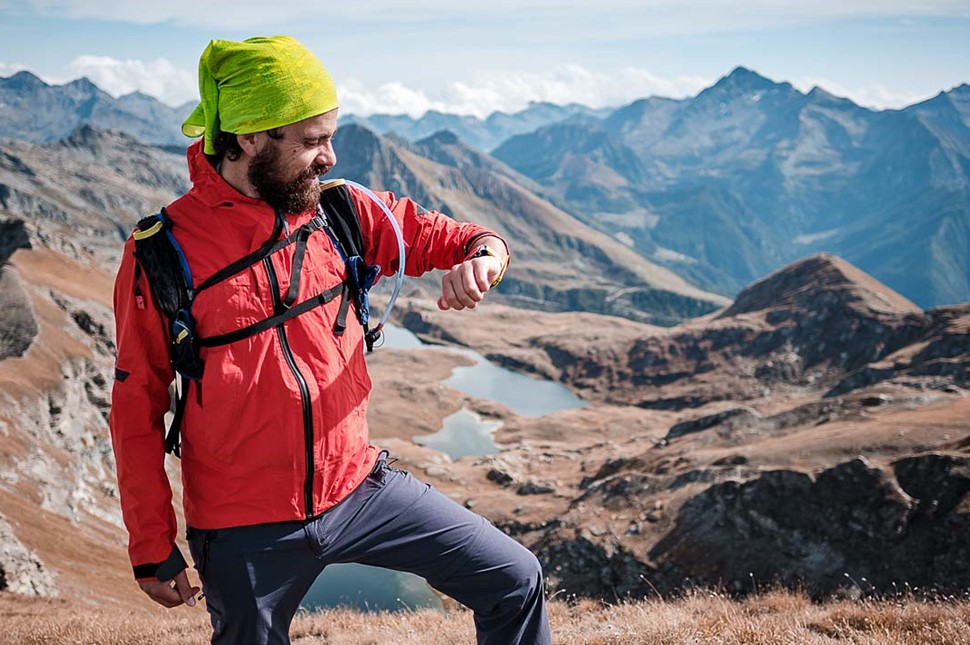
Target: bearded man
{"type": "Point", "coordinates": [279, 478]}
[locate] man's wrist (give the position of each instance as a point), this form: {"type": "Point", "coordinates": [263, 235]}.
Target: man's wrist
{"type": "Point", "coordinates": [483, 249]}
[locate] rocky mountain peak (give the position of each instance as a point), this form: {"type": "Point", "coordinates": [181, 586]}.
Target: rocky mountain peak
{"type": "Point", "coordinates": [441, 138]}
{"type": "Point", "coordinates": [821, 96]}
{"type": "Point", "coordinates": [84, 85]}
{"type": "Point", "coordinates": [822, 278]}
{"type": "Point", "coordinates": [136, 96]}
{"type": "Point", "coordinates": [743, 80]}
{"type": "Point", "coordinates": [23, 80]}
{"type": "Point", "coordinates": [447, 148]}
{"type": "Point", "coordinates": [94, 139]}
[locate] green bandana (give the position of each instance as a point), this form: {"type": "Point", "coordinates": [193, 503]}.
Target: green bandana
{"type": "Point", "coordinates": [259, 84]}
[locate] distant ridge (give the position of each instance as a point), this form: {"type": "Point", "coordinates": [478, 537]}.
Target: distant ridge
{"type": "Point", "coordinates": [34, 111]}
{"type": "Point", "coordinates": [482, 134]}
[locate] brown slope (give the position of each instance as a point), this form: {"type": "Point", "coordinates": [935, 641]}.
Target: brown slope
{"type": "Point", "coordinates": [65, 208]}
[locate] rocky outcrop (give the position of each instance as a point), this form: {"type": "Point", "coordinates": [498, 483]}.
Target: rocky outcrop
{"type": "Point", "coordinates": [851, 525]}
{"type": "Point", "coordinates": [67, 457]}
{"type": "Point", "coordinates": [586, 566]}
{"type": "Point", "coordinates": [18, 327]}
{"type": "Point", "coordinates": [21, 571]}
{"type": "Point", "coordinates": [940, 356]}
{"type": "Point", "coordinates": [17, 324]}
{"type": "Point", "coordinates": [13, 236]}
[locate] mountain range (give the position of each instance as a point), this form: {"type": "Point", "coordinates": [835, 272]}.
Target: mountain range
{"type": "Point", "coordinates": [751, 174]}
{"type": "Point", "coordinates": [719, 188]}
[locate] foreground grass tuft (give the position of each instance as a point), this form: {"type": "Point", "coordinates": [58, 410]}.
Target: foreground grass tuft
{"type": "Point", "coordinates": [772, 618]}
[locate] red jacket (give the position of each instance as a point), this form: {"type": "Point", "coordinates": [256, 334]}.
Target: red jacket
{"type": "Point", "coordinates": [278, 418]}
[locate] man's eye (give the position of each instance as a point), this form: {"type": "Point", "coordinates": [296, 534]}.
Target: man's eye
{"type": "Point", "coordinates": [312, 143]}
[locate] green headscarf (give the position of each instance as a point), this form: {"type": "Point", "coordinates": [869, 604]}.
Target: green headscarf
{"type": "Point", "coordinates": [259, 84]}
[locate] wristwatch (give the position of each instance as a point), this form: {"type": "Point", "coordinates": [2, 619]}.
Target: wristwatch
{"type": "Point", "coordinates": [481, 251]}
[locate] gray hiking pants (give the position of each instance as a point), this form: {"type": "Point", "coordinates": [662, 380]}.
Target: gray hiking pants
{"type": "Point", "coordinates": [254, 577]}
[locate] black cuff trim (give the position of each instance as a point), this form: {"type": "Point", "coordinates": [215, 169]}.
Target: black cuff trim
{"type": "Point", "coordinates": [164, 571]}
{"type": "Point", "coordinates": [474, 238]}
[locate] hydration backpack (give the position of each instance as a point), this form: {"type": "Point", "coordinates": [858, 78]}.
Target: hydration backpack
{"type": "Point", "coordinates": [159, 255]}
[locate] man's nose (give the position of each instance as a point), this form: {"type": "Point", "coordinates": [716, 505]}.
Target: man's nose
{"type": "Point", "coordinates": [326, 156]}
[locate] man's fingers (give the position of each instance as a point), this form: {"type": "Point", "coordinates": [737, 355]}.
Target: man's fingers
{"type": "Point", "coordinates": [471, 284]}
{"type": "Point", "coordinates": [171, 593]}
{"type": "Point", "coordinates": [185, 591]}
{"type": "Point", "coordinates": [466, 284]}
{"type": "Point", "coordinates": [448, 294]}
{"type": "Point", "coordinates": [482, 278]}
{"type": "Point", "coordinates": [463, 281]}
{"type": "Point", "coordinates": [161, 592]}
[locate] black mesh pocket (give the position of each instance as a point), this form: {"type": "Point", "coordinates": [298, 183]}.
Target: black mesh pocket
{"type": "Point", "coordinates": [163, 265]}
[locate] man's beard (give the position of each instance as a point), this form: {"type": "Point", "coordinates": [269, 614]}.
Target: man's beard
{"type": "Point", "coordinates": [290, 196]}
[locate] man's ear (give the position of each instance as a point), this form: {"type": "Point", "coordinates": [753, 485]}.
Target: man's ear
{"type": "Point", "coordinates": [248, 143]}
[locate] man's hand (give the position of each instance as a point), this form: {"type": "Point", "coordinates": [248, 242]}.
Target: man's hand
{"type": "Point", "coordinates": [466, 284]}
{"type": "Point", "coordinates": [171, 593]}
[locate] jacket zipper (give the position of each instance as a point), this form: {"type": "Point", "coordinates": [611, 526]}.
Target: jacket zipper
{"type": "Point", "coordinates": [301, 382]}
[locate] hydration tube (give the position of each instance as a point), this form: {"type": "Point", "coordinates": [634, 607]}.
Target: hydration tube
{"type": "Point", "coordinates": [400, 251]}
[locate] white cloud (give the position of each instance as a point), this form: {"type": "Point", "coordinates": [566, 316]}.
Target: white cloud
{"type": "Point", "coordinates": [158, 78]}
{"type": "Point", "coordinates": [484, 93]}
{"type": "Point", "coordinates": [487, 92]}
{"type": "Point", "coordinates": [508, 91]}
{"type": "Point", "coordinates": [9, 69]}
{"type": "Point", "coordinates": [874, 95]}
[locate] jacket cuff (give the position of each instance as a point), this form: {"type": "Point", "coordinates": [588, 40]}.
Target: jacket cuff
{"type": "Point", "coordinates": [470, 242]}
{"type": "Point", "coordinates": [164, 571]}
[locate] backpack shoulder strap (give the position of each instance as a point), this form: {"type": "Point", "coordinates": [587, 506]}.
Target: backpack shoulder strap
{"type": "Point", "coordinates": [343, 226]}
{"type": "Point", "coordinates": [342, 216]}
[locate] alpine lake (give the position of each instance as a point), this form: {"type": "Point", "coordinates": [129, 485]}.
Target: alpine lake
{"type": "Point", "coordinates": [464, 433]}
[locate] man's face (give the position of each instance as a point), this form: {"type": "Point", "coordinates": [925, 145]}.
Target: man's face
{"type": "Point", "coordinates": [284, 170]}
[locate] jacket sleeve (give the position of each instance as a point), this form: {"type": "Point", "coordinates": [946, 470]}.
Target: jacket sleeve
{"type": "Point", "coordinates": [432, 240]}
{"type": "Point", "coordinates": [139, 401]}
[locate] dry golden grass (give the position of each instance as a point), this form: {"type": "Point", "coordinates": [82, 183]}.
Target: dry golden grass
{"type": "Point", "coordinates": [779, 617]}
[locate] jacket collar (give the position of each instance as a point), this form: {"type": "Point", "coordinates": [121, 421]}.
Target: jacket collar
{"type": "Point", "coordinates": [209, 187]}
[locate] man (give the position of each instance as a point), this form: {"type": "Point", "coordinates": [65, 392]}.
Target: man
{"type": "Point", "coordinates": [279, 478]}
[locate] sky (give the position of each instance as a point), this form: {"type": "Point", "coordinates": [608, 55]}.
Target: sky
{"type": "Point", "coordinates": [477, 56]}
